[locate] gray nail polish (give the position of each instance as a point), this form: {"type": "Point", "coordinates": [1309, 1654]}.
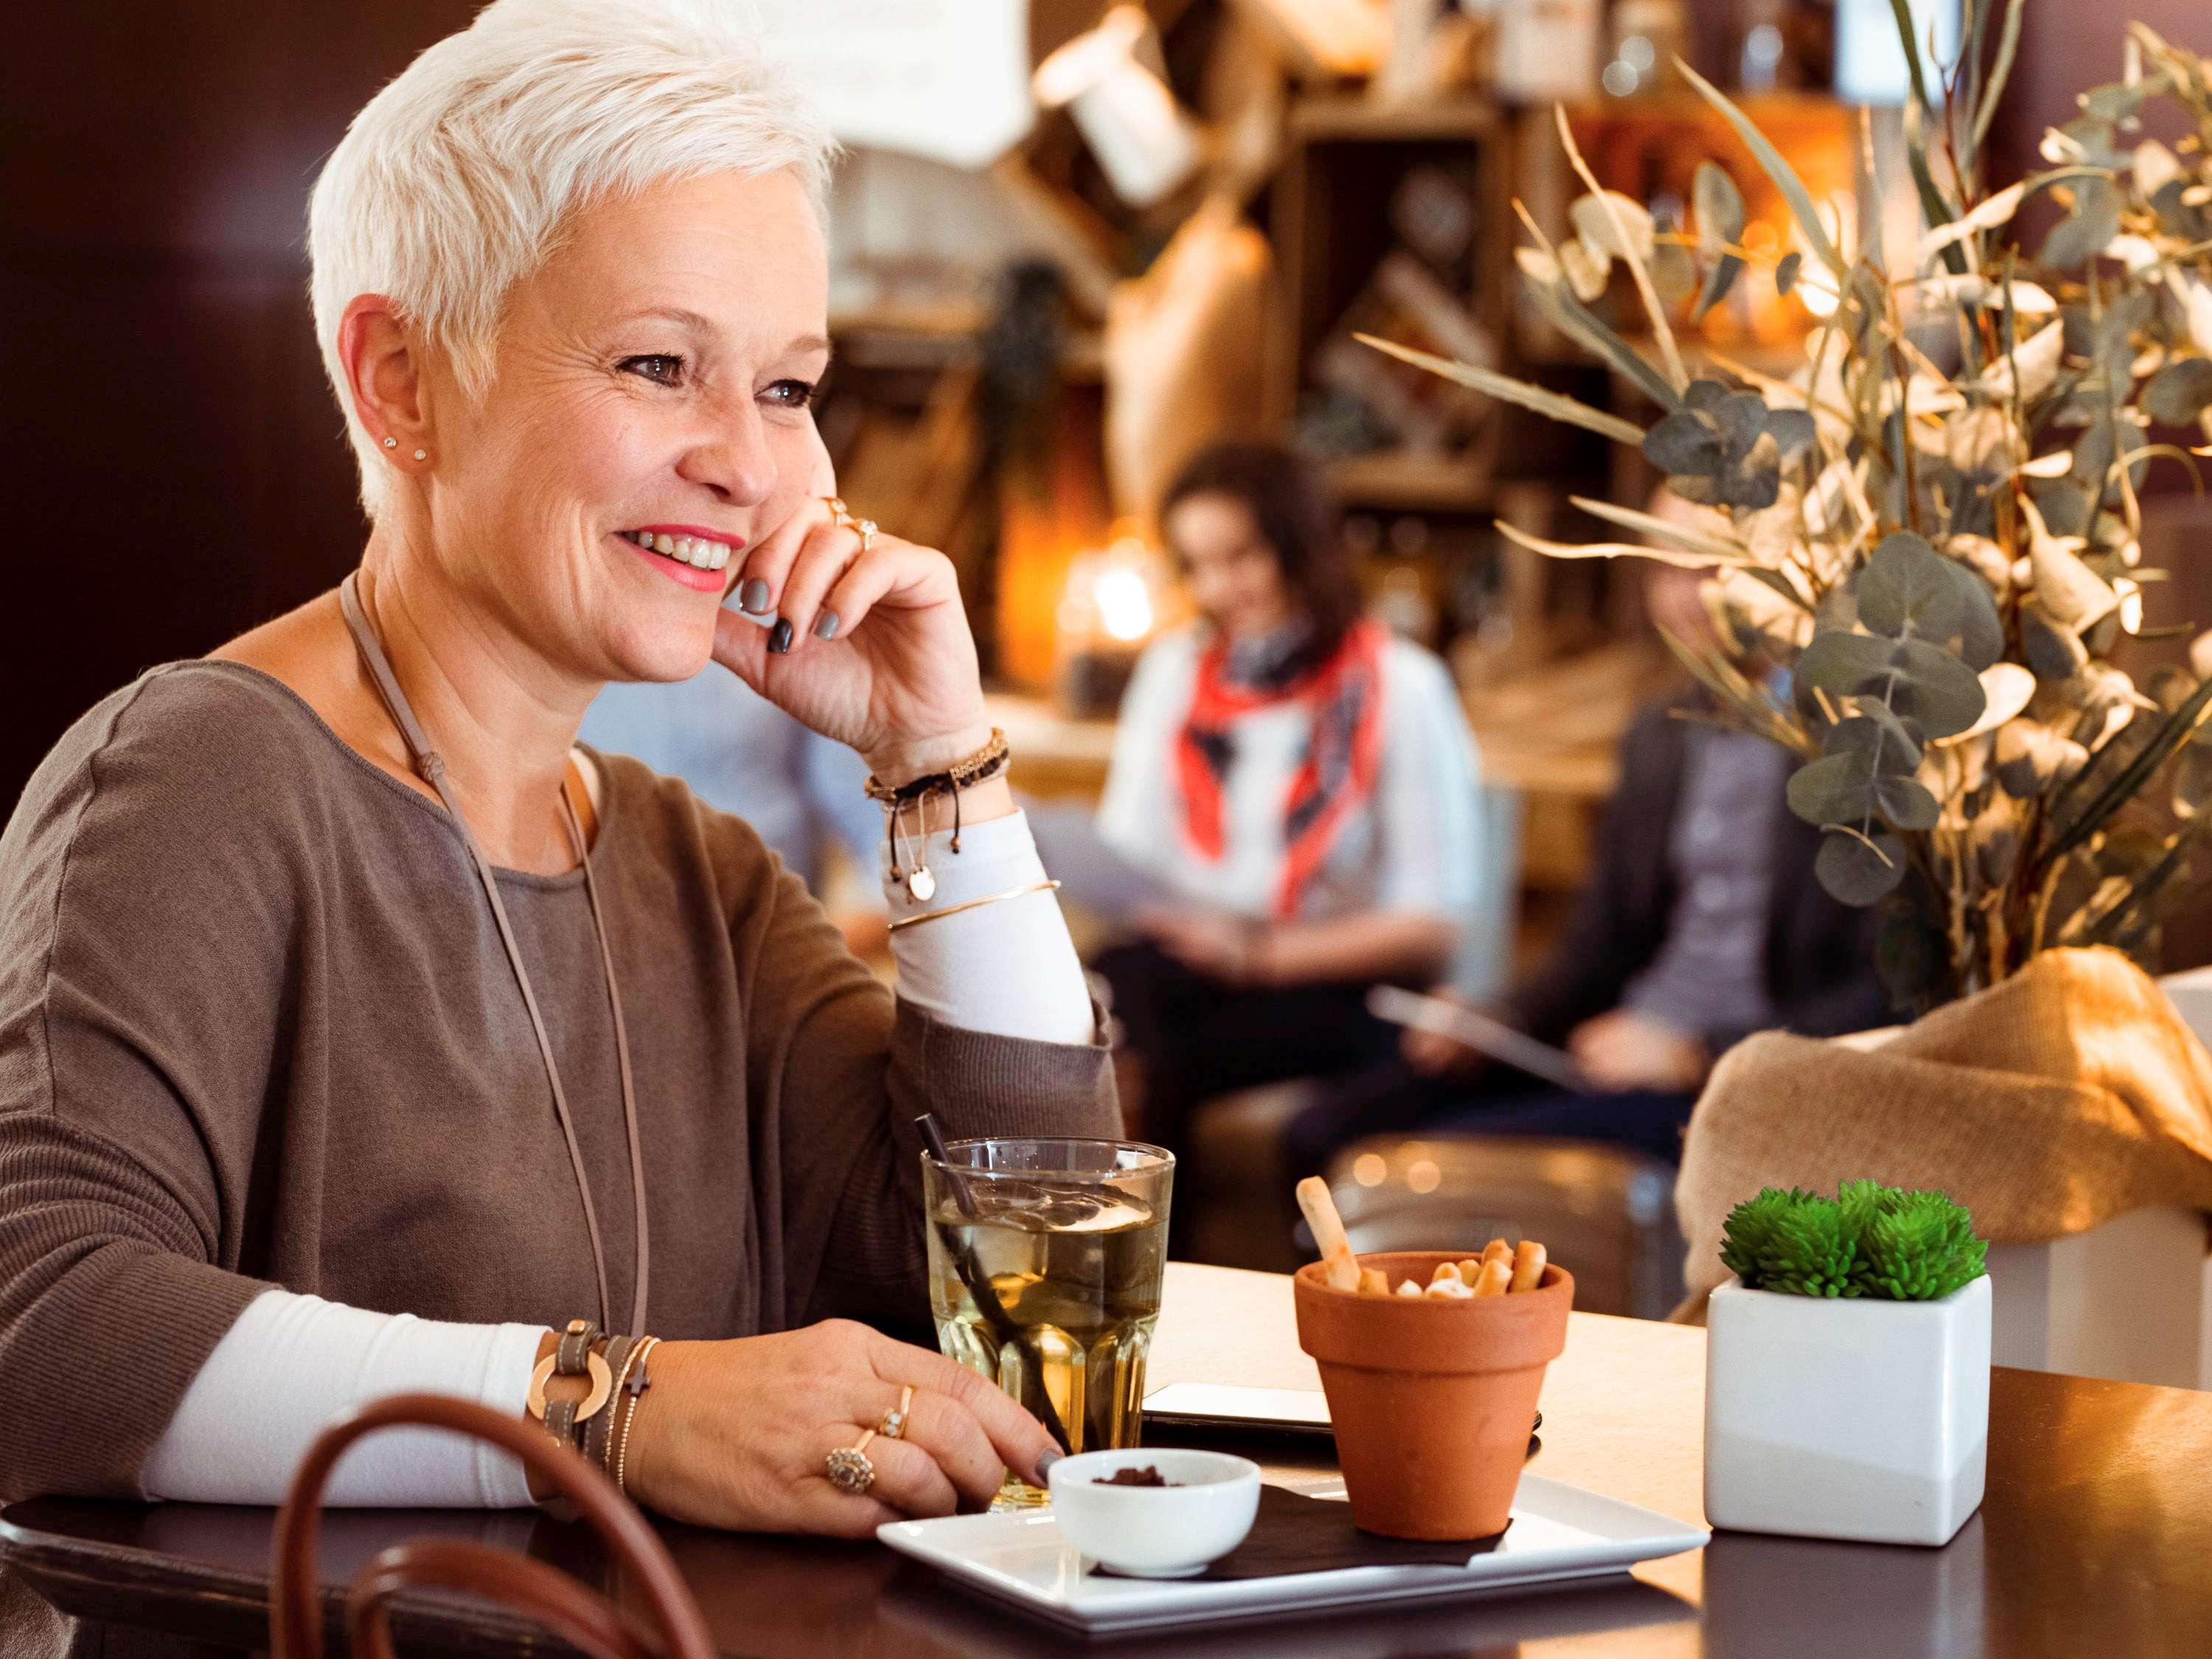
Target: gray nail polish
{"type": "Point", "coordinates": [1046, 1459]}
{"type": "Point", "coordinates": [778, 638]}
{"type": "Point", "coordinates": [825, 625]}
{"type": "Point", "coordinates": [755, 597]}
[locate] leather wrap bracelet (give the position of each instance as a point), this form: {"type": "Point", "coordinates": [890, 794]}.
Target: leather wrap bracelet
{"type": "Point", "coordinates": [984, 763]}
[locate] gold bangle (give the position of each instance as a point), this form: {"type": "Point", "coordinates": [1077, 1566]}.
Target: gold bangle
{"type": "Point", "coordinates": [970, 904]}
{"type": "Point", "coordinates": [629, 1416]}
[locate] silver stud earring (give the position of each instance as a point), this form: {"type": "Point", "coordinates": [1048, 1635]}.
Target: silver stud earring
{"type": "Point", "coordinates": [391, 443]}
{"type": "Point", "coordinates": [421, 455]}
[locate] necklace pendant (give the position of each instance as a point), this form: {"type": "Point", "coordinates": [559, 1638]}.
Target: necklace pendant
{"type": "Point", "coordinates": [921, 885]}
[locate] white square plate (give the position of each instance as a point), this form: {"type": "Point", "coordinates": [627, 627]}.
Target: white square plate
{"type": "Point", "coordinates": [1559, 1533]}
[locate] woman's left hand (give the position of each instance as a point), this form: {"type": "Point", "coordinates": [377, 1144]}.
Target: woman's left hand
{"type": "Point", "coordinates": [877, 651]}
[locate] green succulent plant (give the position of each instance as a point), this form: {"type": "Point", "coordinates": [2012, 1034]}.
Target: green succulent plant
{"type": "Point", "coordinates": [1872, 1241]}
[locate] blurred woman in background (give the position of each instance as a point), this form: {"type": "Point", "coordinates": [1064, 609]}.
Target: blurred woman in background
{"type": "Point", "coordinates": [1305, 780]}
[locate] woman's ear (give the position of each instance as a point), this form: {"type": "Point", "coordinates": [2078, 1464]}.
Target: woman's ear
{"type": "Point", "coordinates": [383, 371]}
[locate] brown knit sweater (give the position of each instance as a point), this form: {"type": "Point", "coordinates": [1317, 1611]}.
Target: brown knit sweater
{"type": "Point", "coordinates": [257, 1028]}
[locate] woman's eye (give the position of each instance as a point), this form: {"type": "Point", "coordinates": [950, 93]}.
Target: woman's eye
{"type": "Point", "coordinates": [791, 394]}
{"type": "Point", "coordinates": [658, 367]}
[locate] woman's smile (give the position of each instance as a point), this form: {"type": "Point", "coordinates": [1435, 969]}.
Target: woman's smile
{"type": "Point", "coordinates": [685, 553]}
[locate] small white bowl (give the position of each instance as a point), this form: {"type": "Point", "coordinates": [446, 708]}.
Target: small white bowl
{"type": "Point", "coordinates": [1156, 1532]}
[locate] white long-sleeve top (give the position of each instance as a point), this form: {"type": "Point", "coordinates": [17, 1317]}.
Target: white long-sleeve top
{"type": "Point", "coordinates": [292, 1363]}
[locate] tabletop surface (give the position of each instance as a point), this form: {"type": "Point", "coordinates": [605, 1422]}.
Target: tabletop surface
{"type": "Point", "coordinates": [2094, 1538]}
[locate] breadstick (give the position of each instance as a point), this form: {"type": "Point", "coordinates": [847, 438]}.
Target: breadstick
{"type": "Point", "coordinates": [1497, 1250]}
{"type": "Point", "coordinates": [1470, 1270]}
{"type": "Point", "coordinates": [1373, 1281]}
{"type": "Point", "coordinates": [1496, 1276]}
{"type": "Point", "coordinates": [1343, 1268]}
{"type": "Point", "coordinates": [1528, 1264]}
{"type": "Point", "coordinates": [1447, 1270]}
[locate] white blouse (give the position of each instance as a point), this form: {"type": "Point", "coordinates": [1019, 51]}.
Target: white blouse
{"type": "Point", "coordinates": [1414, 847]}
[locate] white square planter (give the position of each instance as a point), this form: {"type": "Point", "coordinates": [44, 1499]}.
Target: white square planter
{"type": "Point", "coordinates": [1858, 1419]}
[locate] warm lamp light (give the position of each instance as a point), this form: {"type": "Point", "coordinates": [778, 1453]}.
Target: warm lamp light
{"type": "Point", "coordinates": [1143, 140]}
{"type": "Point", "coordinates": [1115, 600]}
{"type": "Point", "coordinates": [1125, 605]}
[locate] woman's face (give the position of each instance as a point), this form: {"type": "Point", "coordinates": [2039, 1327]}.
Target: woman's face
{"type": "Point", "coordinates": [652, 379]}
{"type": "Point", "coordinates": [1235, 578]}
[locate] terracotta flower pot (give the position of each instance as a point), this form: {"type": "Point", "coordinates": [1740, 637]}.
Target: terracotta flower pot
{"type": "Point", "coordinates": [1432, 1401]}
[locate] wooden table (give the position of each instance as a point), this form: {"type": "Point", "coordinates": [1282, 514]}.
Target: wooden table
{"type": "Point", "coordinates": [2095, 1539]}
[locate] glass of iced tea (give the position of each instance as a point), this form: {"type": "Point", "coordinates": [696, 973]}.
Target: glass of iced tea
{"type": "Point", "coordinates": [1045, 1260]}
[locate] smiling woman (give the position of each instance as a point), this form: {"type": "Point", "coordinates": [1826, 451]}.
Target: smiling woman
{"type": "Point", "coordinates": [315, 953]}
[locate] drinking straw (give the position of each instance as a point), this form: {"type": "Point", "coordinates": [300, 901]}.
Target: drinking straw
{"type": "Point", "coordinates": [981, 1291]}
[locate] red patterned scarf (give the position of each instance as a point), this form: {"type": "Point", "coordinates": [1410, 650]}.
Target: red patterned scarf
{"type": "Point", "coordinates": [1343, 697]}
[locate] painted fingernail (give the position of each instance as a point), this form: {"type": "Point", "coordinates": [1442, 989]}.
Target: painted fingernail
{"type": "Point", "coordinates": [825, 625]}
{"type": "Point", "coordinates": [1046, 1459]}
{"type": "Point", "coordinates": [755, 597]}
{"type": "Point", "coordinates": [779, 637]}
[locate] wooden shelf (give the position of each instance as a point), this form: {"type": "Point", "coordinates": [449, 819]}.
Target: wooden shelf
{"type": "Point", "coordinates": [1412, 483]}
{"type": "Point", "coordinates": [1337, 117]}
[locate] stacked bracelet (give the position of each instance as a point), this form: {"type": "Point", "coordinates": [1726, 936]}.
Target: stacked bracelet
{"type": "Point", "coordinates": [984, 763]}
{"type": "Point", "coordinates": [597, 1426]}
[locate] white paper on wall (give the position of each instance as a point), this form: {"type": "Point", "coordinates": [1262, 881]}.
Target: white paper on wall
{"type": "Point", "coordinates": [947, 79]}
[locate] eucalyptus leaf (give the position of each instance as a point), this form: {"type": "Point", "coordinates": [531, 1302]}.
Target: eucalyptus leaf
{"type": "Point", "coordinates": [2123, 99]}
{"type": "Point", "coordinates": [1887, 743]}
{"type": "Point", "coordinates": [1595, 226]}
{"type": "Point", "coordinates": [2083, 233]}
{"type": "Point", "coordinates": [1904, 590]}
{"type": "Point", "coordinates": [1685, 442]}
{"type": "Point", "coordinates": [1719, 207]}
{"type": "Point", "coordinates": [1794, 431]}
{"type": "Point", "coordinates": [1785, 273]}
{"type": "Point", "coordinates": [1840, 664]}
{"type": "Point", "coordinates": [1673, 273]}
{"type": "Point", "coordinates": [1906, 803]}
{"type": "Point", "coordinates": [1718, 284]}
{"type": "Point", "coordinates": [2177, 393]}
{"type": "Point", "coordinates": [1741, 416]}
{"type": "Point", "coordinates": [2052, 651]}
{"type": "Point", "coordinates": [1855, 872]}
{"type": "Point", "coordinates": [1908, 588]}
{"type": "Point", "coordinates": [1834, 789]}
{"type": "Point", "coordinates": [1935, 689]}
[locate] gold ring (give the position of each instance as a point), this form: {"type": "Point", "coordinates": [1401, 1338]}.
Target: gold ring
{"type": "Point", "coordinates": [893, 1421]}
{"type": "Point", "coordinates": [867, 527]}
{"type": "Point", "coordinates": [848, 1469]}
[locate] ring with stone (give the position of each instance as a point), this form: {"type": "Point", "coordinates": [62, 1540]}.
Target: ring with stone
{"type": "Point", "coordinates": [866, 530]}
{"type": "Point", "coordinates": [893, 1423]}
{"type": "Point", "coordinates": [840, 514]}
{"type": "Point", "coordinates": [848, 1469]}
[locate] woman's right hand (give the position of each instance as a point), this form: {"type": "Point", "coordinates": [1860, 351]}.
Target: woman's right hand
{"type": "Point", "coordinates": [733, 1434]}
{"type": "Point", "coordinates": [1432, 1054]}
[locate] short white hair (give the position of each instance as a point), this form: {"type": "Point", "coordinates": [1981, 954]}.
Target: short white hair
{"type": "Point", "coordinates": [454, 182]}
